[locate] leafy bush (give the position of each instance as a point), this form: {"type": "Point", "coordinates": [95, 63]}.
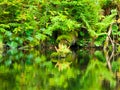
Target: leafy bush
{"type": "Point", "coordinates": [25, 22]}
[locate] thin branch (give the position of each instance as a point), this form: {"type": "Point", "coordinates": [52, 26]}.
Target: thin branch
{"type": "Point", "coordinates": [105, 47]}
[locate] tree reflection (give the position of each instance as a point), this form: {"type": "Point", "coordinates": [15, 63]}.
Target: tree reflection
{"type": "Point", "coordinates": [37, 71]}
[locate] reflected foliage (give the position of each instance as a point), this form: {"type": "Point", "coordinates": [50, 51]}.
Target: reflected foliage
{"type": "Point", "coordinates": [95, 73]}
{"type": "Point", "coordinates": [36, 71]}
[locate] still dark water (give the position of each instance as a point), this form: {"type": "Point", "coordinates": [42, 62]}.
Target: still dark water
{"type": "Point", "coordinates": [39, 70]}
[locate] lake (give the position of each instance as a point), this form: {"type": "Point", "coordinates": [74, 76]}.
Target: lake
{"type": "Point", "coordinates": [83, 69]}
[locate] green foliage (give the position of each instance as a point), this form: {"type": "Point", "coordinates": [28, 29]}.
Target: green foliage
{"type": "Point", "coordinates": [61, 51]}
{"type": "Point", "coordinates": [96, 72]}
{"type": "Point", "coordinates": [116, 65]}
{"type": "Point", "coordinates": [20, 19]}
{"type": "Point", "coordinates": [118, 49]}
{"type": "Point", "coordinates": [29, 23]}
{"type": "Point", "coordinates": [33, 22]}
{"type": "Point", "coordinates": [100, 56]}
{"type": "Point", "coordinates": [115, 30]}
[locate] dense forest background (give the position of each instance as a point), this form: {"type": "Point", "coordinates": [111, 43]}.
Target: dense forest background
{"type": "Point", "coordinates": [85, 23]}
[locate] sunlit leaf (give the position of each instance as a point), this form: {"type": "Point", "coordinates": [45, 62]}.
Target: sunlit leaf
{"type": "Point", "coordinates": [13, 44]}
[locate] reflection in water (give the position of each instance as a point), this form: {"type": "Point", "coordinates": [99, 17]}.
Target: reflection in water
{"type": "Point", "coordinates": [33, 70]}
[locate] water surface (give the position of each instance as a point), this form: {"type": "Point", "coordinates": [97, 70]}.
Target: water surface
{"type": "Point", "coordinates": [31, 69]}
